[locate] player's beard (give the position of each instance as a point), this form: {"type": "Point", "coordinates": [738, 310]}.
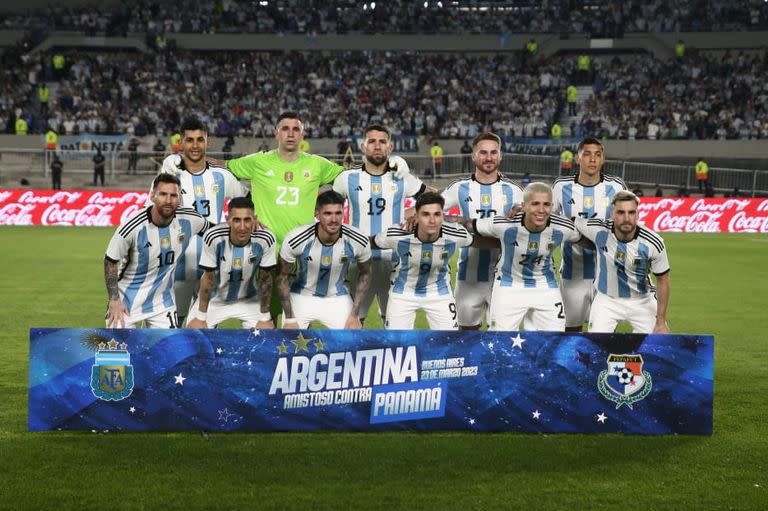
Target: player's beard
{"type": "Point", "coordinates": [377, 160]}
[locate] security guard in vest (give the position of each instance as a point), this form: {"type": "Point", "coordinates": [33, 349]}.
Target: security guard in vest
{"type": "Point", "coordinates": [566, 161]}
{"type": "Point", "coordinates": [176, 142]}
{"type": "Point", "coordinates": [556, 131]}
{"type": "Point", "coordinates": [22, 128]}
{"type": "Point", "coordinates": [702, 174]}
{"type": "Point", "coordinates": [43, 94]}
{"type": "Point", "coordinates": [51, 140]}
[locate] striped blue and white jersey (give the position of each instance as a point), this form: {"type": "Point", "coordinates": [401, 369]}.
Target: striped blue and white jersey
{"type": "Point", "coordinates": [476, 200]}
{"type": "Point", "coordinates": [623, 268]}
{"type": "Point", "coordinates": [526, 257]}
{"type": "Point", "coordinates": [321, 270]}
{"type": "Point", "coordinates": [148, 255]}
{"type": "Point", "coordinates": [421, 268]}
{"type": "Point", "coordinates": [235, 265]}
{"type": "Point", "coordinates": [571, 200]}
{"type": "Point", "coordinates": [376, 202]}
{"type": "Point", "coordinates": [206, 192]}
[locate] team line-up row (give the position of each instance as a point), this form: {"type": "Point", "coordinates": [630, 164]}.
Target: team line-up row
{"type": "Point", "coordinates": [284, 246]}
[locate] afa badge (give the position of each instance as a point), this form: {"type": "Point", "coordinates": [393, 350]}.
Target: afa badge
{"type": "Point", "coordinates": [589, 202]}
{"type": "Point", "coordinates": [376, 189]}
{"type": "Point", "coordinates": [326, 260]}
{"type": "Point", "coordinates": [485, 200]}
{"type": "Point", "coordinates": [112, 372]}
{"type": "Point", "coordinates": [237, 263]}
{"type": "Point", "coordinates": [288, 176]}
{"type": "Point", "coordinates": [624, 382]}
{"type": "Point", "coordinates": [200, 190]}
{"type": "Point", "coordinates": [165, 242]}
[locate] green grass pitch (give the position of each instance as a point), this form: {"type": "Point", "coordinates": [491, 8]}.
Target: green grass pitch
{"type": "Point", "coordinates": [52, 277]}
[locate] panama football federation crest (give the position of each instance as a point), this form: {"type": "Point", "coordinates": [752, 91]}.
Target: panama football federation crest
{"type": "Point", "coordinates": [624, 382]}
{"type": "Point", "coordinates": [288, 176]}
{"type": "Point", "coordinates": [112, 372]}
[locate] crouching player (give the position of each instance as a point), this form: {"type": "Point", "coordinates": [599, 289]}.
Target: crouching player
{"type": "Point", "coordinates": [322, 253]}
{"type": "Point", "coordinates": [238, 265]}
{"type": "Point", "coordinates": [626, 254]}
{"type": "Point", "coordinates": [525, 285]}
{"type": "Point", "coordinates": [421, 276]}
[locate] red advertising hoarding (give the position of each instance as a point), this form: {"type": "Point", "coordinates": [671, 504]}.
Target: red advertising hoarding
{"type": "Point", "coordinates": [110, 207]}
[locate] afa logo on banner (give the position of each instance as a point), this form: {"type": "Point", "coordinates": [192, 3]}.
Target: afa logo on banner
{"type": "Point", "coordinates": [112, 372]}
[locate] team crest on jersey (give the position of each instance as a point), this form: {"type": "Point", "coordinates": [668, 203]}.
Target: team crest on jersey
{"type": "Point", "coordinates": [589, 202]}
{"type": "Point", "coordinates": [550, 247]}
{"type": "Point", "coordinates": [485, 200]}
{"type": "Point", "coordinates": [288, 176]}
{"type": "Point", "coordinates": [393, 188]}
{"type": "Point", "coordinates": [165, 242]}
{"type": "Point", "coordinates": [533, 245]}
{"type": "Point", "coordinates": [112, 372]}
{"type": "Point", "coordinates": [638, 262]}
{"type": "Point", "coordinates": [215, 188]}
{"type": "Point", "coordinates": [237, 263]}
{"type": "Point", "coordinates": [199, 190]}
{"type": "Point", "coordinates": [621, 256]}
{"type": "Point", "coordinates": [606, 202]}
{"type": "Point", "coordinates": [624, 381]}
{"type": "Point", "coordinates": [326, 260]}
{"type": "Point", "coordinates": [376, 188]}
{"type": "Point", "coordinates": [307, 174]}
{"type": "Point", "coordinates": [426, 255]}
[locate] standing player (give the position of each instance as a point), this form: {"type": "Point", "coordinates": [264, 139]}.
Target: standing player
{"type": "Point", "coordinates": [588, 194]}
{"type": "Point", "coordinates": [231, 286]}
{"type": "Point", "coordinates": [322, 252]}
{"type": "Point", "coordinates": [626, 254]}
{"type": "Point", "coordinates": [484, 194]}
{"type": "Point", "coordinates": [525, 283]}
{"type": "Point", "coordinates": [142, 255]}
{"type": "Point", "coordinates": [285, 181]}
{"type": "Point", "coordinates": [376, 202]}
{"type": "Point", "coordinates": [421, 276]}
{"type": "Point", "coordinates": [204, 187]}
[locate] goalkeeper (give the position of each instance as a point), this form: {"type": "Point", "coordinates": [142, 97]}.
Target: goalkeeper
{"type": "Point", "coordinates": [285, 182]}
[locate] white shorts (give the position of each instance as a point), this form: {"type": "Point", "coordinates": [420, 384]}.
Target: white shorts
{"type": "Point", "coordinates": [607, 312]}
{"type": "Point", "coordinates": [440, 311]}
{"type": "Point", "coordinates": [248, 311]}
{"type": "Point", "coordinates": [472, 301]}
{"type": "Point", "coordinates": [331, 311]}
{"type": "Point", "coordinates": [541, 308]}
{"type": "Point", "coordinates": [165, 319]}
{"type": "Point", "coordinates": [577, 299]}
{"type": "Point", "coordinates": [381, 271]}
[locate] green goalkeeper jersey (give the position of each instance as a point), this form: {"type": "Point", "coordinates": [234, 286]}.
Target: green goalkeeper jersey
{"type": "Point", "coordinates": [284, 193]}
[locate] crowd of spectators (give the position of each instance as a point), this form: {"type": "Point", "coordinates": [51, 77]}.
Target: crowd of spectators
{"type": "Point", "coordinates": [241, 93]}
{"type": "Point", "coordinates": [593, 17]}
{"type": "Point", "coordinates": [699, 96]}
{"type": "Point", "coordinates": [723, 96]}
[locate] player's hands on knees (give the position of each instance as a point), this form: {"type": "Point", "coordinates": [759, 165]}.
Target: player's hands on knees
{"type": "Point", "coordinates": [353, 323]}
{"type": "Point", "coordinates": [661, 328]}
{"type": "Point", "coordinates": [196, 323]}
{"type": "Point", "coordinates": [264, 325]}
{"type": "Point", "coordinates": [116, 314]}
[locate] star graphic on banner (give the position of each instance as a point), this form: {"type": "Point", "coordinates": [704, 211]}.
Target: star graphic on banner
{"type": "Point", "coordinates": [319, 345]}
{"type": "Point", "coordinates": [123, 346]}
{"type": "Point", "coordinates": [112, 344]}
{"type": "Point", "coordinates": [517, 341]}
{"type": "Point", "coordinates": [301, 343]}
{"type": "Point", "coordinates": [282, 348]}
{"type": "Point", "coordinates": [224, 415]}
{"type": "Point", "coordinates": [536, 414]}
{"type": "Point", "coordinates": [219, 351]}
{"type": "Point", "coordinates": [102, 346]}
{"type": "Point", "coordinates": [471, 421]}
{"type": "Point", "coordinates": [601, 417]}
{"type": "Point", "coordinates": [250, 363]}
{"type": "Point", "coordinates": [132, 409]}
{"type": "Point", "coordinates": [256, 332]}
{"type": "Point", "coordinates": [179, 379]}
{"type": "Point", "coordinates": [490, 345]}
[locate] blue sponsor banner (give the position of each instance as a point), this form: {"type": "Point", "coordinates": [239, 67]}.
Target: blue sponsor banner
{"type": "Point", "coordinates": [369, 380]}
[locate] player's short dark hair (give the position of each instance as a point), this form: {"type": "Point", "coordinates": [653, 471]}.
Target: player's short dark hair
{"type": "Point", "coordinates": [377, 127]}
{"type": "Point", "coordinates": [329, 197]}
{"type": "Point", "coordinates": [486, 136]}
{"type": "Point", "coordinates": [430, 198]}
{"type": "Point", "coordinates": [165, 177]}
{"type": "Point", "coordinates": [193, 124]}
{"type": "Point", "coordinates": [590, 141]}
{"type": "Point", "coordinates": [241, 202]}
{"type": "Point", "coordinates": [287, 115]}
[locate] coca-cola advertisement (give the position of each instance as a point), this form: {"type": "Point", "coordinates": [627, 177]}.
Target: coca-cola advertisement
{"type": "Point", "coordinates": [69, 207]}
{"type": "Point", "coordinates": [110, 207]}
